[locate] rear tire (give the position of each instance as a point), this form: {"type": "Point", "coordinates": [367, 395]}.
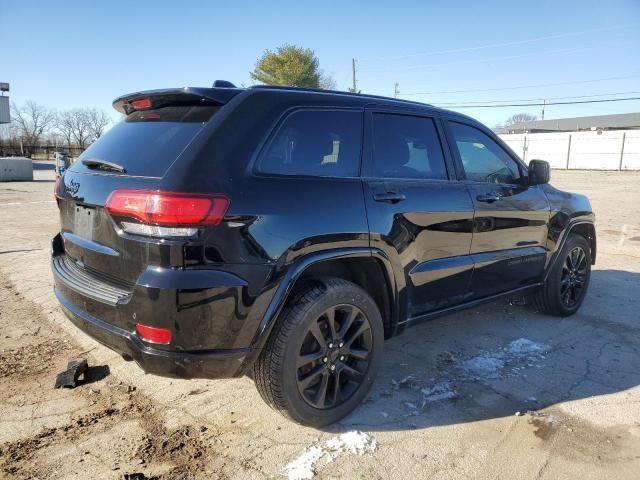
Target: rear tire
{"type": "Point", "coordinates": [568, 281]}
{"type": "Point", "coordinates": [323, 354]}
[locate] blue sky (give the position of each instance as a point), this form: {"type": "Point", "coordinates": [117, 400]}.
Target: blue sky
{"type": "Point", "coordinates": [74, 54]}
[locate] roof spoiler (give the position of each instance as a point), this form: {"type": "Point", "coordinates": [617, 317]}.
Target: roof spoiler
{"type": "Point", "coordinates": [171, 96]}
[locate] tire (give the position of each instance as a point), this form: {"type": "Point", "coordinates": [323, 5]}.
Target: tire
{"type": "Point", "coordinates": [296, 367]}
{"type": "Point", "coordinates": [566, 282]}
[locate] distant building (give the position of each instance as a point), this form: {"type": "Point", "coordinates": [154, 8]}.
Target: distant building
{"type": "Point", "coordinates": [5, 116]}
{"type": "Point", "coordinates": [622, 121]}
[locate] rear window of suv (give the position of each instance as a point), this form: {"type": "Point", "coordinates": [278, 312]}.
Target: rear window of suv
{"type": "Point", "coordinates": [147, 142]}
{"type": "Point", "coordinates": [322, 143]}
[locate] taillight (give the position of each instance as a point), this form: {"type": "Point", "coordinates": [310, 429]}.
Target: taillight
{"type": "Point", "coordinates": [153, 334]}
{"type": "Point", "coordinates": [166, 213]}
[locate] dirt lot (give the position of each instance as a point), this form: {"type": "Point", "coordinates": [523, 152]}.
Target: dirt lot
{"type": "Point", "coordinates": [499, 391]}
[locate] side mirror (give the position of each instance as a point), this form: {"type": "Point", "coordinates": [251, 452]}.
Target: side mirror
{"type": "Point", "coordinates": [539, 172]}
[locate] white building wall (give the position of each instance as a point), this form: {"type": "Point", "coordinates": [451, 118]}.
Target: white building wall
{"type": "Point", "coordinates": [631, 157]}
{"type": "Point", "coordinates": [552, 147]}
{"type": "Point", "coordinates": [614, 150]}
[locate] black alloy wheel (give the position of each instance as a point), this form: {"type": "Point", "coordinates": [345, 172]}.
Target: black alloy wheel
{"type": "Point", "coordinates": [567, 281]}
{"type": "Point", "coordinates": [574, 276]}
{"type": "Point", "coordinates": [334, 356]}
{"type": "Point", "coordinates": [323, 354]}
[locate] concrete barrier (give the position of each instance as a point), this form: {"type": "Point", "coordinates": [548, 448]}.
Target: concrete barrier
{"type": "Point", "coordinates": [16, 169]}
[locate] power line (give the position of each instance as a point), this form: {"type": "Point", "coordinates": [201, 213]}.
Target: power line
{"type": "Point", "coordinates": [497, 89]}
{"type": "Point", "coordinates": [547, 53]}
{"type": "Point", "coordinates": [539, 98]}
{"type": "Point", "coordinates": [505, 44]}
{"type": "Point", "coordinates": [540, 104]}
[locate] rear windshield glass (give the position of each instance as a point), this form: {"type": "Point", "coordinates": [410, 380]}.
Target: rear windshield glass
{"type": "Point", "coordinates": [147, 142]}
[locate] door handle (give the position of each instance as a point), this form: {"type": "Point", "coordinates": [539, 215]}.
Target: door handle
{"type": "Point", "coordinates": [488, 198]}
{"type": "Point", "coordinates": [389, 197]}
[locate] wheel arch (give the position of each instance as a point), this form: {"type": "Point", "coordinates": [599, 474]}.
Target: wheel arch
{"type": "Point", "coordinates": [584, 228]}
{"type": "Point", "coordinates": [362, 266]}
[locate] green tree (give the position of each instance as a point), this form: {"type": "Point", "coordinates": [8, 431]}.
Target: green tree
{"type": "Point", "coordinates": [290, 65]}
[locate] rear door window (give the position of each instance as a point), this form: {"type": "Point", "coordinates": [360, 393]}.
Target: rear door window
{"type": "Point", "coordinates": [406, 146]}
{"type": "Point", "coordinates": [147, 142]}
{"type": "Point", "coordinates": [323, 143]}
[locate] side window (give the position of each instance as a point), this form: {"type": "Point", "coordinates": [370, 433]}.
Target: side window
{"type": "Point", "coordinates": [406, 147]}
{"type": "Point", "coordinates": [482, 158]}
{"type": "Point", "coordinates": [316, 142]}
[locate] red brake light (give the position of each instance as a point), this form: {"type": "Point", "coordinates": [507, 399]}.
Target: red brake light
{"type": "Point", "coordinates": [153, 334]}
{"type": "Point", "coordinates": [141, 104]}
{"type": "Point", "coordinates": [168, 208]}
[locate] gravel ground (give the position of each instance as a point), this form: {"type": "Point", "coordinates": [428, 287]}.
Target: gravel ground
{"type": "Point", "coordinates": [498, 391]}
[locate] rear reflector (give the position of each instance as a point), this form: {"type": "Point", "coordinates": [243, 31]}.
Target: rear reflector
{"type": "Point", "coordinates": [153, 334]}
{"type": "Point", "coordinates": [168, 209]}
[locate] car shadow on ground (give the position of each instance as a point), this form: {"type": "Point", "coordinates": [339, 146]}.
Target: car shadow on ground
{"type": "Point", "coordinates": [499, 359]}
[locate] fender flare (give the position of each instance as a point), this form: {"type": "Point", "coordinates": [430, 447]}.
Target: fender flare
{"type": "Point", "coordinates": [565, 234]}
{"type": "Point", "coordinates": [295, 271]}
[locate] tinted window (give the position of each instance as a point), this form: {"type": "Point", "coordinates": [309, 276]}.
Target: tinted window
{"type": "Point", "coordinates": [406, 147]}
{"type": "Point", "coordinates": [482, 158]}
{"type": "Point", "coordinates": [316, 142]}
{"type": "Point", "coordinates": [147, 142]}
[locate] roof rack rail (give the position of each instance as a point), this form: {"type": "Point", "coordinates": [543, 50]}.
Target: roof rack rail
{"type": "Point", "coordinates": [338, 92]}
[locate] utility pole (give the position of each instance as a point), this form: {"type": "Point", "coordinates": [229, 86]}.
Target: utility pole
{"type": "Point", "coordinates": [396, 91]}
{"type": "Point", "coordinates": [354, 88]}
{"type": "Point", "coordinates": [544, 102]}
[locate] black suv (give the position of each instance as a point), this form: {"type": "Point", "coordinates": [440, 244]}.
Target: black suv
{"type": "Point", "coordinates": [284, 233]}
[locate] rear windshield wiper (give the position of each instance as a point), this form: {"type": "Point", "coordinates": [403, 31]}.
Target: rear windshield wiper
{"type": "Point", "coordinates": [103, 165]}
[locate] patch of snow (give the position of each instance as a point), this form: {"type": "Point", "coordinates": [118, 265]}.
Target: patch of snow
{"type": "Point", "coordinates": [404, 383]}
{"type": "Point", "coordinates": [303, 467]}
{"type": "Point", "coordinates": [484, 365]}
{"type": "Point", "coordinates": [410, 405]}
{"type": "Point", "coordinates": [440, 391]}
{"type": "Point", "coordinates": [515, 355]}
{"type": "Point", "coordinates": [524, 346]}
{"type": "Point", "coordinates": [354, 442]}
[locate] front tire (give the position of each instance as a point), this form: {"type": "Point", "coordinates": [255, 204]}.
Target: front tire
{"type": "Point", "coordinates": [568, 280]}
{"type": "Point", "coordinates": [323, 353]}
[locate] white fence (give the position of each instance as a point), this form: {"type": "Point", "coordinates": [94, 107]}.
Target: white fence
{"type": "Point", "coordinates": [615, 150]}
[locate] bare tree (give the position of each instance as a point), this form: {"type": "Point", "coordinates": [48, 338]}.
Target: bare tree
{"type": "Point", "coordinates": [327, 82]}
{"type": "Point", "coordinates": [98, 120]}
{"type": "Point", "coordinates": [519, 118]}
{"type": "Point", "coordinates": [31, 121]}
{"type": "Point", "coordinates": [82, 126]}
{"type": "Point", "coordinates": [75, 126]}
{"type": "Point", "coordinates": [65, 124]}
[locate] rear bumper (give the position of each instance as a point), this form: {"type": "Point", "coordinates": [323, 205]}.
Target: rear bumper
{"type": "Point", "coordinates": [200, 364]}
{"type": "Point", "coordinates": [207, 311]}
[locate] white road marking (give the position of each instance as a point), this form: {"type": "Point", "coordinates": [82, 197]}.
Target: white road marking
{"type": "Point", "coordinates": [27, 203]}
